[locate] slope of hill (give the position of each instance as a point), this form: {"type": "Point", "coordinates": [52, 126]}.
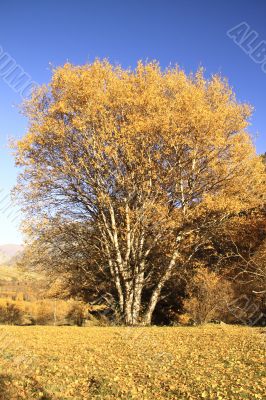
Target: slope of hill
{"type": "Point", "coordinates": [10, 273]}
{"type": "Point", "coordinates": [14, 282]}
{"type": "Point", "coordinates": [8, 252]}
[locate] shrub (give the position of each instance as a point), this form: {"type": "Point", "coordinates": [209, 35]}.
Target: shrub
{"type": "Point", "coordinates": [77, 313]}
{"type": "Point", "coordinates": [208, 296]}
{"type": "Point", "coordinates": [10, 314]}
{"type": "Point", "coordinates": [43, 313]}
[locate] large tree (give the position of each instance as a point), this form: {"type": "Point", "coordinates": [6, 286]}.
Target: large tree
{"type": "Point", "coordinates": [150, 161]}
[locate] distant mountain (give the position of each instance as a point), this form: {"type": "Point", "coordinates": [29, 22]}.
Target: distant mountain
{"type": "Point", "coordinates": [8, 252]}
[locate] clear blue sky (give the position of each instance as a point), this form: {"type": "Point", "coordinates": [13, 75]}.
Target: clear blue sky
{"type": "Point", "coordinates": [190, 33]}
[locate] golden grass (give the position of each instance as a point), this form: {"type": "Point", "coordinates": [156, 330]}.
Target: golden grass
{"type": "Point", "coordinates": [7, 273]}
{"type": "Point", "coordinates": [211, 362]}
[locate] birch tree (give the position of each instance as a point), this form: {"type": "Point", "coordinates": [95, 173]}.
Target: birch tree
{"type": "Point", "coordinates": [151, 159]}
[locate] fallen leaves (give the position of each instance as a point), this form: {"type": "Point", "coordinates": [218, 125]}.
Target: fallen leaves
{"type": "Point", "coordinates": [63, 363]}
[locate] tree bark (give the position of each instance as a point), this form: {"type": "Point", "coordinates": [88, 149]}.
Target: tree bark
{"type": "Point", "coordinates": [146, 320]}
{"type": "Point", "coordinates": [136, 305]}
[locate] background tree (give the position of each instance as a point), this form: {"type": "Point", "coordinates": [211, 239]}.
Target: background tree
{"type": "Point", "coordinates": [209, 296]}
{"type": "Point", "coordinates": [151, 161]}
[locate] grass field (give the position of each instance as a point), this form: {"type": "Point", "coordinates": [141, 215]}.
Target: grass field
{"type": "Point", "coordinates": [211, 362]}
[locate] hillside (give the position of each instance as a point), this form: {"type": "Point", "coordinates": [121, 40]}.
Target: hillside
{"type": "Point", "coordinates": [14, 281]}
{"type": "Point", "coordinates": [8, 252]}
{"type": "Point", "coordinates": [10, 273]}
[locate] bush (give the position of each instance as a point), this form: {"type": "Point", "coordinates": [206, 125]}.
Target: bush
{"type": "Point", "coordinates": [208, 297]}
{"type": "Point", "coordinates": [185, 319]}
{"type": "Point", "coordinates": [77, 313]}
{"type": "Point", "coordinates": [10, 314]}
{"type": "Point", "coordinates": [44, 312]}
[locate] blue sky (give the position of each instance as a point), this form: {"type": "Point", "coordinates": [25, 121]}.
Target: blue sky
{"type": "Point", "coordinates": [191, 33]}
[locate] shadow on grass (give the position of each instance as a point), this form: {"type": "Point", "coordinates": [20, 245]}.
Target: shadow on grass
{"type": "Point", "coordinates": [33, 390]}
{"type": "Point", "coordinates": [6, 387]}
{"type": "Point", "coordinates": [101, 388]}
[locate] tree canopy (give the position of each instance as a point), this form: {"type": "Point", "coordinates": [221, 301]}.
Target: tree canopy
{"type": "Point", "coordinates": [139, 168]}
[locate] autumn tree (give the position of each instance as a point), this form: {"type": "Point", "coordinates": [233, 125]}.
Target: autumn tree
{"type": "Point", "coordinates": [151, 161]}
{"type": "Point", "coordinates": [208, 296]}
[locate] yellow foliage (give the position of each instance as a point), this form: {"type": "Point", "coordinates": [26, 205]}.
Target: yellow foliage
{"type": "Point", "coordinates": [209, 296]}
{"type": "Point", "coordinates": [40, 312]}
{"type": "Point", "coordinates": [141, 164]}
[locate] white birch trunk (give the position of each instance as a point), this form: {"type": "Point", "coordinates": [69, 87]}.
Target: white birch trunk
{"type": "Point", "coordinates": [146, 320]}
